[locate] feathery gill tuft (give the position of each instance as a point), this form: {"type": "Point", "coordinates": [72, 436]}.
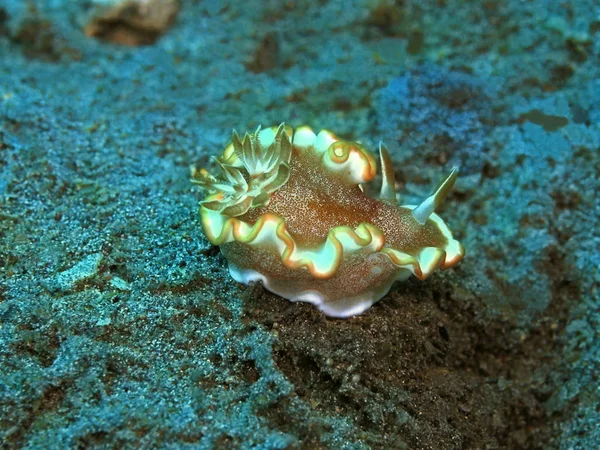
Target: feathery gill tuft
{"type": "Point", "coordinates": [247, 179]}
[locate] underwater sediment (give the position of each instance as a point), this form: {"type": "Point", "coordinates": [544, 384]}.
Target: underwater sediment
{"type": "Point", "coordinates": [120, 325]}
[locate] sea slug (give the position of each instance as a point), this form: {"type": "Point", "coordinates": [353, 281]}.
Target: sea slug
{"type": "Point", "coordinates": [288, 208]}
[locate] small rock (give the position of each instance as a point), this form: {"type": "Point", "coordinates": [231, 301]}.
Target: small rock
{"type": "Point", "coordinates": [67, 280]}
{"type": "Point", "coordinates": [132, 22]}
{"type": "Point", "coordinates": [120, 284]}
{"type": "Point", "coordinates": [103, 322]}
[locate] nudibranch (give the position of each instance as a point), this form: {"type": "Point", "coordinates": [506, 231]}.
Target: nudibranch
{"type": "Point", "coordinates": [288, 209]}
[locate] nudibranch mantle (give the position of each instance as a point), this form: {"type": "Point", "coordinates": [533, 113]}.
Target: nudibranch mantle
{"type": "Point", "coordinates": [288, 209]}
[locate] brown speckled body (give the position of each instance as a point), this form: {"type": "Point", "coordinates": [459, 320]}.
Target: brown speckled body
{"type": "Point", "coordinates": [314, 201]}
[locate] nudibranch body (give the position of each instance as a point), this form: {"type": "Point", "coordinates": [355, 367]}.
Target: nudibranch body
{"type": "Point", "coordinates": [288, 209]}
